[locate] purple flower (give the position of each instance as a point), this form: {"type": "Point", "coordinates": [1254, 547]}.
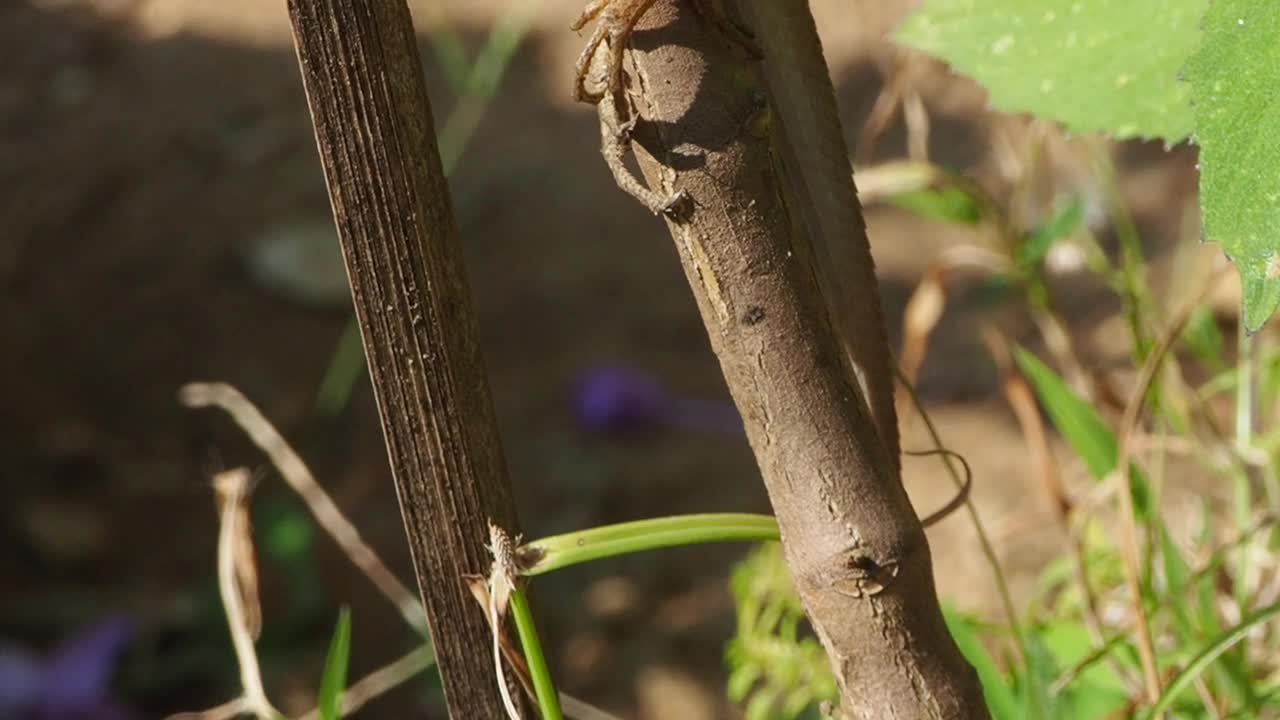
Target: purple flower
{"type": "Point", "coordinates": [614, 399]}
{"type": "Point", "coordinates": [73, 683]}
{"type": "Point", "coordinates": [617, 399]}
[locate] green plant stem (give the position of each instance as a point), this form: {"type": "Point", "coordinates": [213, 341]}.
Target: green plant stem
{"type": "Point", "coordinates": [558, 551]}
{"type": "Point", "coordinates": [1244, 438]}
{"type": "Point", "coordinates": [1244, 388]}
{"type": "Point", "coordinates": [539, 673]}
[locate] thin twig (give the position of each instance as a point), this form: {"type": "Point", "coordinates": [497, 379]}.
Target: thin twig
{"type": "Point", "coordinates": [988, 550]}
{"type": "Point", "coordinates": [1022, 400]}
{"type": "Point", "coordinates": [916, 118]}
{"type": "Point", "coordinates": [1102, 650]}
{"type": "Point", "coordinates": [579, 710]}
{"type": "Point", "coordinates": [897, 95]}
{"type": "Point", "coordinates": [1265, 521]}
{"type": "Point", "coordinates": [331, 519]}
{"type": "Point", "coordinates": [962, 495]}
{"type": "Point", "coordinates": [295, 472]}
{"type": "Point", "coordinates": [1206, 698]}
{"type": "Point", "coordinates": [226, 711]}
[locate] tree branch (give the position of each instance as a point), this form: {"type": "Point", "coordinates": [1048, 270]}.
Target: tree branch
{"type": "Point", "coordinates": [855, 547]}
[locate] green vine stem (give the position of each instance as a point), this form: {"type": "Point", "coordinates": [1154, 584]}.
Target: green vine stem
{"type": "Point", "coordinates": [539, 673]}
{"type": "Point", "coordinates": [558, 551]}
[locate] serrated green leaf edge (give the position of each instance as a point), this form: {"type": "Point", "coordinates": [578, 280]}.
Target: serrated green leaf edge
{"type": "Point", "coordinates": [1234, 76]}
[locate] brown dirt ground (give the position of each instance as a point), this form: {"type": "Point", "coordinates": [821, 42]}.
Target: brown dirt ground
{"type": "Point", "coordinates": [143, 144]}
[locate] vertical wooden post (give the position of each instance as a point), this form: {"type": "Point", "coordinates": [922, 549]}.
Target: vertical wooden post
{"type": "Point", "coordinates": [375, 134]}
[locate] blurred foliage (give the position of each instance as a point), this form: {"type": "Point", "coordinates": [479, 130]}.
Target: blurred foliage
{"type": "Point", "coordinates": [774, 668]}
{"type": "Point", "coordinates": [1150, 69]}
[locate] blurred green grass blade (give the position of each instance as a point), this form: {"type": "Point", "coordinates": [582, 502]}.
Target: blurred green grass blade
{"type": "Point", "coordinates": [451, 53]}
{"type": "Point", "coordinates": [1064, 220]}
{"type": "Point", "coordinates": [1182, 681]}
{"type": "Point", "coordinates": [1034, 685]}
{"type": "Point", "coordinates": [1097, 686]}
{"type": "Point", "coordinates": [446, 42]}
{"type": "Point", "coordinates": [1231, 674]}
{"type": "Point", "coordinates": [1191, 624]}
{"type": "Point", "coordinates": [1203, 338]}
{"type": "Point", "coordinates": [346, 367]}
{"type": "Point", "coordinates": [1176, 574]}
{"type": "Point", "coordinates": [1001, 698]}
{"type": "Point", "coordinates": [476, 83]}
{"type": "Point", "coordinates": [1082, 427]}
{"type": "Point", "coordinates": [951, 204]}
{"type": "Point", "coordinates": [1079, 423]}
{"type": "Point", "coordinates": [482, 82]}
{"type": "Point", "coordinates": [334, 680]}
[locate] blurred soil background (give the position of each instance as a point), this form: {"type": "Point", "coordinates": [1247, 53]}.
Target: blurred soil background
{"type": "Point", "coordinates": [156, 171]}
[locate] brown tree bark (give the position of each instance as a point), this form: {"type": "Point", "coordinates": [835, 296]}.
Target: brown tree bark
{"type": "Point", "coordinates": [855, 546]}
{"type": "Point", "coordinates": [377, 144]}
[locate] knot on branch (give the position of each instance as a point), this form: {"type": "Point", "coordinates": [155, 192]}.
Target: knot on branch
{"type": "Point", "coordinates": [864, 576]}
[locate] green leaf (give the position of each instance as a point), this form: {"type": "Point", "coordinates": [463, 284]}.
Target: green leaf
{"type": "Point", "coordinates": [1090, 64]}
{"type": "Point", "coordinates": [1233, 80]}
{"type": "Point", "coordinates": [1096, 691]}
{"type": "Point", "coordinates": [334, 680]}
{"type": "Point", "coordinates": [1000, 697]}
{"type": "Point", "coordinates": [947, 203]}
{"type": "Point", "coordinates": [1076, 419]}
{"type": "Point", "coordinates": [1205, 657]}
{"type": "Point", "coordinates": [1082, 427]}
